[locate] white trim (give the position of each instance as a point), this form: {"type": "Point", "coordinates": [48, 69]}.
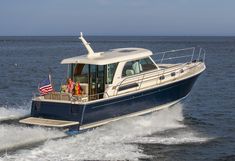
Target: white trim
{"type": "Point", "coordinates": [99, 123]}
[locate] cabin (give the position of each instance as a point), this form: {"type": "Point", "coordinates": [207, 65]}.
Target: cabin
{"type": "Point", "coordinates": [99, 75]}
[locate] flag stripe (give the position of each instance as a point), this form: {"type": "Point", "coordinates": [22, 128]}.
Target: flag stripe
{"type": "Point", "coordinates": [45, 86]}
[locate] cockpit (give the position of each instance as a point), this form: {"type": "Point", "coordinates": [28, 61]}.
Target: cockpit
{"type": "Point", "coordinates": [92, 78]}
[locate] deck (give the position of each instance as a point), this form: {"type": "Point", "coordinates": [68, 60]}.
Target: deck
{"type": "Point", "coordinates": [48, 122]}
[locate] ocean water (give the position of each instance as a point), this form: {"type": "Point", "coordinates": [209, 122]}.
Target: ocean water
{"type": "Point", "coordinates": [200, 128]}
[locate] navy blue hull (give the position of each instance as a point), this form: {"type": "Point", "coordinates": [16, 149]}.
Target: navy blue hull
{"type": "Point", "coordinates": [110, 108]}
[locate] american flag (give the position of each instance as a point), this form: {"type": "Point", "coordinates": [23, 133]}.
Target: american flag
{"type": "Point", "coordinates": [45, 86]}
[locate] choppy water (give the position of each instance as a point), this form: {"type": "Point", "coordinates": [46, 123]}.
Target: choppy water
{"type": "Point", "coordinates": [201, 128]}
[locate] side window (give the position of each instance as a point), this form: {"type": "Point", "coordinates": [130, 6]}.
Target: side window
{"type": "Point", "coordinates": [80, 73]}
{"type": "Point", "coordinates": [138, 66]}
{"type": "Point", "coordinates": [131, 68]}
{"type": "Point", "coordinates": [111, 69]}
{"type": "Point", "coordinates": [147, 64]}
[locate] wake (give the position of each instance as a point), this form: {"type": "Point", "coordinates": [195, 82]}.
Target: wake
{"type": "Point", "coordinates": [13, 137]}
{"type": "Point", "coordinates": [115, 141]}
{"type": "Point", "coordinates": [13, 113]}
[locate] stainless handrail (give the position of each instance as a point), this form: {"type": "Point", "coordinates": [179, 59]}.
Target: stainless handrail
{"type": "Point", "coordinates": [174, 51]}
{"type": "Point", "coordinates": [80, 97]}
{"type": "Point", "coordinates": [171, 58]}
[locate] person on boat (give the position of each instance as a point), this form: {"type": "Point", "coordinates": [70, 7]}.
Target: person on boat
{"type": "Point", "coordinates": [70, 85]}
{"type": "Point", "coordinates": [63, 89]}
{"type": "Point", "coordinates": [77, 89]}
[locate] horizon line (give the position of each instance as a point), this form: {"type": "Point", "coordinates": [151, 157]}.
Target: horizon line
{"type": "Point", "coordinates": [119, 35]}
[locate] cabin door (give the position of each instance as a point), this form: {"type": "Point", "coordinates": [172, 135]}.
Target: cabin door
{"type": "Point", "coordinates": [96, 81]}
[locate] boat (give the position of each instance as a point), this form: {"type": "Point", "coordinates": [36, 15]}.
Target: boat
{"type": "Point", "coordinates": [116, 84]}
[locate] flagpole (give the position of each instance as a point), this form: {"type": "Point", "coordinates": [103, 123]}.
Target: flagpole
{"type": "Point", "coordinates": [38, 88]}
{"type": "Point", "coordinates": [51, 81]}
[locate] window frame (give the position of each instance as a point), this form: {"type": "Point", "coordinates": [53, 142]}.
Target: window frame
{"type": "Point", "coordinates": [124, 76]}
{"type": "Point", "coordinates": [107, 73]}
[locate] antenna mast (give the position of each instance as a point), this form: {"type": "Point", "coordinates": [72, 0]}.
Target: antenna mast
{"type": "Point", "coordinates": [87, 46]}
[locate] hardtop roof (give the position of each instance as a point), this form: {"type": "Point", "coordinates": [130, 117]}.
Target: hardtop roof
{"type": "Point", "coordinates": [110, 56]}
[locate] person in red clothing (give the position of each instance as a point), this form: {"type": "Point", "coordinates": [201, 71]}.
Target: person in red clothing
{"type": "Point", "coordinates": [70, 85]}
{"type": "Point", "coordinates": [77, 89]}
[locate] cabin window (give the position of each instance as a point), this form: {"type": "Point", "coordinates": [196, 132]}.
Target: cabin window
{"type": "Point", "coordinates": [131, 68]}
{"type": "Point", "coordinates": [138, 66]}
{"type": "Point", "coordinates": [147, 64]}
{"type": "Point", "coordinates": [80, 73]}
{"type": "Point", "coordinates": [111, 69]}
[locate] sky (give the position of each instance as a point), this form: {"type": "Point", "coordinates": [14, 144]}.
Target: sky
{"type": "Point", "coordinates": [117, 17]}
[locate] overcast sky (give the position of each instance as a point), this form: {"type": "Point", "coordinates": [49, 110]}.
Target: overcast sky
{"type": "Point", "coordinates": [117, 17]}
